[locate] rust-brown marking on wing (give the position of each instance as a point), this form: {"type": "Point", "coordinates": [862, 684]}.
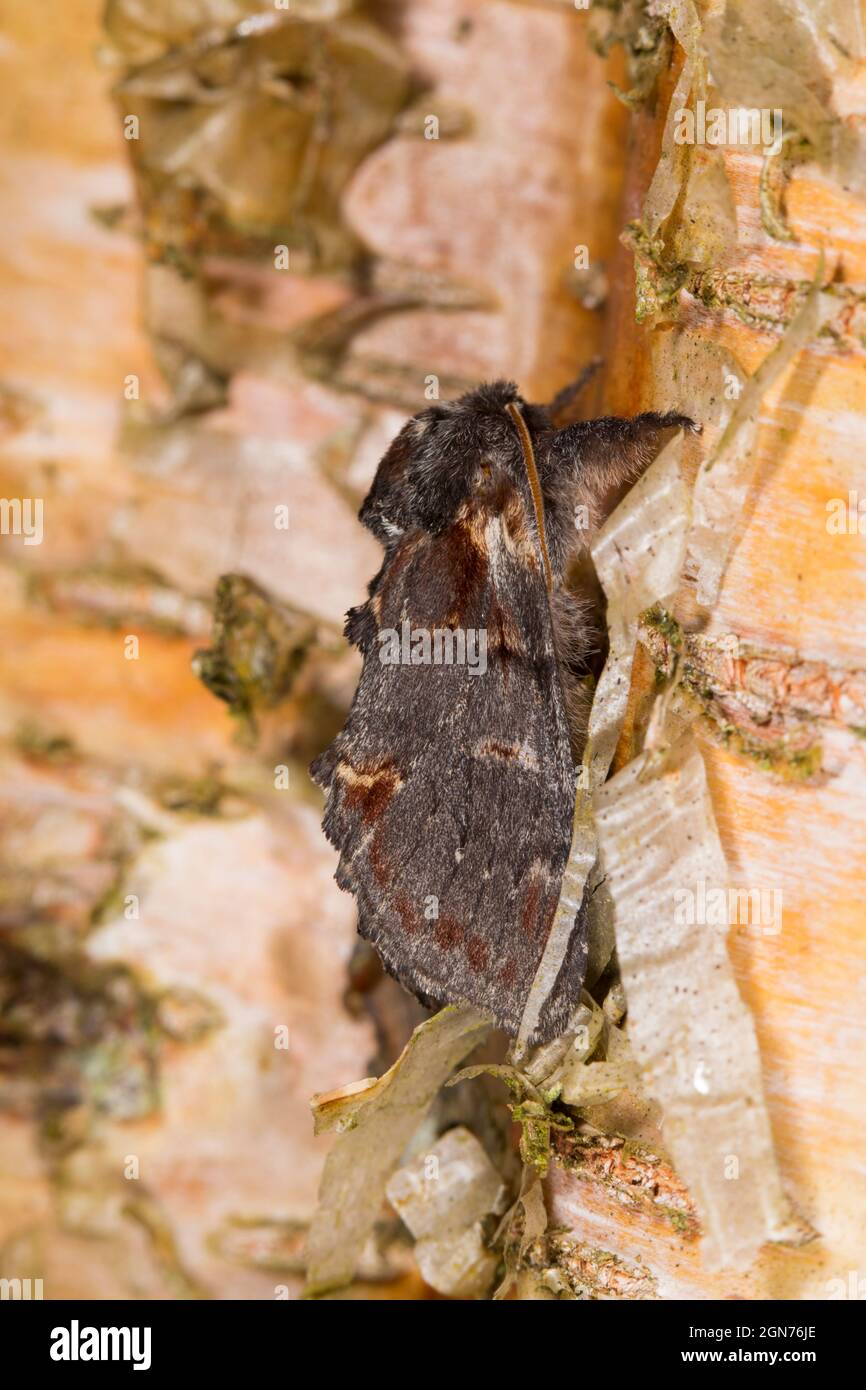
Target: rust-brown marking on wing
{"type": "Point", "coordinates": [507, 976]}
{"type": "Point", "coordinates": [466, 567]}
{"type": "Point", "coordinates": [448, 933]}
{"type": "Point", "coordinates": [407, 912]}
{"type": "Point", "coordinates": [477, 953]}
{"type": "Point", "coordinates": [492, 748]}
{"type": "Point", "coordinates": [369, 789]}
{"type": "Point", "coordinates": [506, 752]}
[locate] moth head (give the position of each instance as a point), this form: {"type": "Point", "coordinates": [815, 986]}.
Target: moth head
{"type": "Point", "coordinates": [447, 454]}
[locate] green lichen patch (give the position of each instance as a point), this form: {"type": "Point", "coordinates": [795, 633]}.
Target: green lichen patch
{"type": "Point", "coordinates": [747, 700]}
{"type": "Point", "coordinates": [574, 1270]}
{"type": "Point", "coordinates": [658, 278]}
{"type": "Point", "coordinates": [634, 1173]}
{"type": "Point", "coordinates": [77, 1041]}
{"type": "Point", "coordinates": [791, 764]}
{"type": "Point", "coordinates": [532, 1107]}
{"type": "Point", "coordinates": [259, 647]}
{"type": "Point", "coordinates": [43, 745]}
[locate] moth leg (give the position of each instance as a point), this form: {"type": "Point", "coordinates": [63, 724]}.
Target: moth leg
{"type": "Point", "coordinates": [564, 402]}
{"type": "Point", "coordinates": [601, 458]}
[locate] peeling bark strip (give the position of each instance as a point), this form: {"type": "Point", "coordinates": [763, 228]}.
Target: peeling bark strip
{"type": "Point", "coordinates": [726, 474]}
{"type": "Point", "coordinates": [692, 1035]}
{"type": "Point", "coordinates": [375, 1120]}
{"type": "Point", "coordinates": [638, 556]}
{"type": "Point", "coordinates": [250, 164]}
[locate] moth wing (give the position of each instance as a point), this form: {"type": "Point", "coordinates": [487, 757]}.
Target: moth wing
{"type": "Point", "coordinates": [451, 787]}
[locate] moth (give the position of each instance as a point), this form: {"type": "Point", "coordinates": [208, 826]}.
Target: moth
{"type": "Point", "coordinates": [451, 787]}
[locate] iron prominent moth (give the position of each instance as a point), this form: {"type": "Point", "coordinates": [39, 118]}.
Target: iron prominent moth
{"type": "Point", "coordinates": [450, 790]}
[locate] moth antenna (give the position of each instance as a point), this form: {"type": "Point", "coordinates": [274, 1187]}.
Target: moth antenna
{"type": "Point", "coordinates": [534, 486]}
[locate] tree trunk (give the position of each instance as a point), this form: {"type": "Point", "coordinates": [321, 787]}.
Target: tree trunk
{"type": "Point", "coordinates": [178, 973]}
